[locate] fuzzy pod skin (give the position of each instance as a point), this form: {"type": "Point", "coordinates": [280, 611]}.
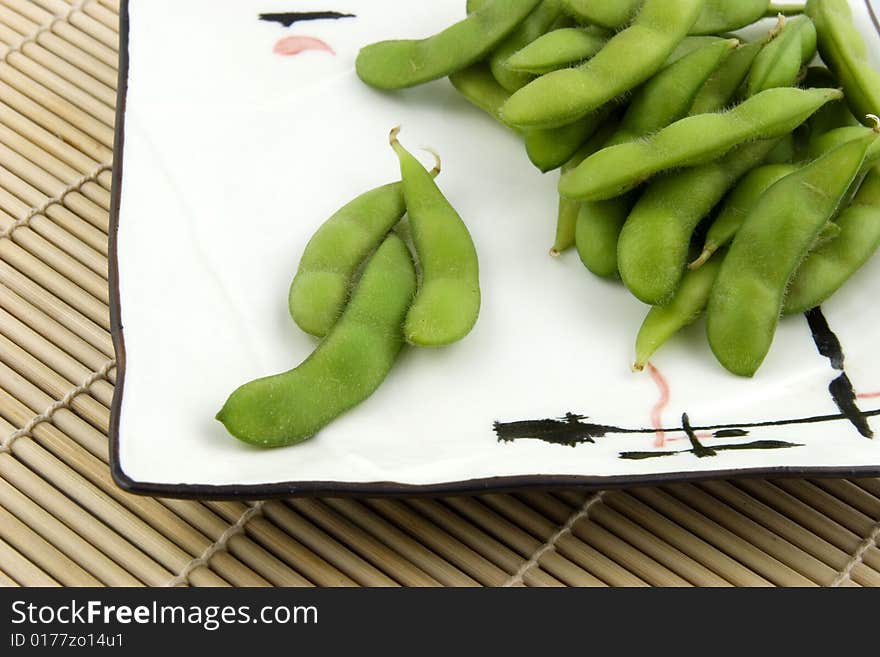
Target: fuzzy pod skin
{"type": "Point", "coordinates": [477, 84]}
{"type": "Point", "coordinates": [747, 300]}
{"type": "Point", "coordinates": [558, 49]}
{"type": "Point", "coordinates": [738, 205]}
{"type": "Point", "coordinates": [406, 63]}
{"type": "Point", "coordinates": [567, 215]}
{"type": "Point", "coordinates": [447, 304]}
{"type": "Point", "coordinates": [833, 115]}
{"type": "Point", "coordinates": [322, 284]}
{"type": "Point", "coordinates": [692, 141]}
{"type": "Point", "coordinates": [844, 51]}
{"type": "Point", "coordinates": [653, 249]}
{"type": "Point", "coordinates": [628, 59]}
{"type": "Point", "coordinates": [829, 267]}
{"type": "Point", "coordinates": [345, 369]}
{"type": "Point", "coordinates": [781, 60]}
{"type": "Point", "coordinates": [723, 86]}
{"type": "Point", "coordinates": [551, 148]}
{"type": "Point", "coordinates": [535, 25]}
{"type": "Point", "coordinates": [839, 136]}
{"type": "Point", "coordinates": [685, 308]}
{"type": "Point", "coordinates": [716, 17]}
{"type": "Point", "coordinates": [598, 232]}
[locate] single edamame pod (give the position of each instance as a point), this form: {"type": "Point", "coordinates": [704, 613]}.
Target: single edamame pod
{"type": "Point", "coordinates": [738, 205]}
{"type": "Point", "coordinates": [628, 59]}
{"type": "Point", "coordinates": [692, 141]}
{"type": "Point", "coordinates": [558, 49]}
{"type": "Point", "coordinates": [660, 101]}
{"type": "Point", "coordinates": [831, 140]}
{"type": "Point", "coordinates": [685, 308]}
{"type": "Point", "coordinates": [780, 61]}
{"type": "Point", "coordinates": [343, 371]}
{"type": "Point", "coordinates": [830, 266]}
{"type": "Point", "coordinates": [536, 24]}
{"type": "Point", "coordinates": [322, 283]}
{"type": "Point", "coordinates": [844, 51]}
{"type": "Point", "coordinates": [654, 243]}
{"type": "Point", "coordinates": [447, 303]}
{"type": "Point", "coordinates": [747, 300]}
{"type": "Point", "coordinates": [407, 63]}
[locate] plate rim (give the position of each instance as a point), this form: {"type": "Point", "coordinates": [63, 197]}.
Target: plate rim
{"type": "Point", "coordinates": [378, 488]}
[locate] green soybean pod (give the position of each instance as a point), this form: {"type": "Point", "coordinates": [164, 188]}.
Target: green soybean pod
{"type": "Point", "coordinates": [345, 369]}
{"type": "Point", "coordinates": [558, 49]}
{"type": "Point", "coordinates": [727, 15]}
{"type": "Point", "coordinates": [737, 206]}
{"type": "Point", "coordinates": [688, 305]}
{"type": "Point", "coordinates": [829, 267]}
{"type": "Point", "coordinates": [332, 257]}
{"type": "Point", "coordinates": [831, 140]}
{"type": "Point", "coordinates": [598, 231]}
{"type": "Point", "coordinates": [722, 87]}
{"type": "Point", "coordinates": [407, 63]}
{"type": "Point", "coordinates": [628, 59]}
{"type": "Point", "coordinates": [781, 60]}
{"type": "Point", "coordinates": [692, 141]}
{"type": "Point", "coordinates": [536, 24]}
{"type": "Point", "coordinates": [477, 84]}
{"type": "Point", "coordinates": [844, 51]}
{"type": "Point", "coordinates": [447, 303]}
{"type": "Point", "coordinates": [655, 241]}
{"type": "Point", "coordinates": [747, 299]}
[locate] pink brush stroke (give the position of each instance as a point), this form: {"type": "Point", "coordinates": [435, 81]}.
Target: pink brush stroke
{"type": "Point", "coordinates": [869, 395]}
{"type": "Point", "coordinates": [662, 403]}
{"type": "Point", "coordinates": [294, 45]}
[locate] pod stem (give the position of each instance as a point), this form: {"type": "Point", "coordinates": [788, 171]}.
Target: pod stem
{"type": "Point", "coordinates": [708, 252]}
{"type": "Point", "coordinates": [397, 146]}
{"type": "Point", "coordinates": [639, 367]}
{"type": "Point", "coordinates": [780, 25]}
{"type": "Point", "coordinates": [875, 120]}
{"type": "Point", "coordinates": [438, 163]}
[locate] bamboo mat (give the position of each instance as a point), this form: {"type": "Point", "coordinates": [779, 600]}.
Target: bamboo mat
{"type": "Point", "coordinates": [64, 522]}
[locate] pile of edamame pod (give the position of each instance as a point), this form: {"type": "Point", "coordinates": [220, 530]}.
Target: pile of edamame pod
{"type": "Point", "coordinates": [358, 290]}
{"type": "Point", "coordinates": [711, 174]}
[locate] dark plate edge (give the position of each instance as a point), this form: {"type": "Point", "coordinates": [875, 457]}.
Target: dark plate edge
{"type": "Point", "coordinates": [373, 489]}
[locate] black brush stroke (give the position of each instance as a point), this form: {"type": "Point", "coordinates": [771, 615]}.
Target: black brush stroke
{"type": "Point", "coordinates": [841, 389]}
{"type": "Point", "coordinates": [758, 444]}
{"type": "Point", "coordinates": [826, 340]}
{"type": "Point", "coordinates": [288, 18]}
{"type": "Point", "coordinates": [844, 395]}
{"type": "Point", "coordinates": [698, 448]}
{"type": "Point", "coordinates": [591, 431]}
{"type": "Point", "coordinates": [730, 433]}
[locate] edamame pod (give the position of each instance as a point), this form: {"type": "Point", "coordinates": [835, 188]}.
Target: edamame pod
{"type": "Point", "coordinates": [598, 231]}
{"type": "Point", "coordinates": [747, 299]}
{"type": "Point", "coordinates": [343, 371]}
{"type": "Point", "coordinates": [558, 49]}
{"type": "Point", "coordinates": [536, 24]}
{"type": "Point", "coordinates": [322, 283]}
{"type": "Point", "coordinates": [844, 51]}
{"type": "Point", "coordinates": [738, 205]}
{"type": "Point", "coordinates": [654, 243]}
{"type": "Point", "coordinates": [628, 59]}
{"type": "Point", "coordinates": [692, 141]}
{"type": "Point", "coordinates": [833, 115]}
{"type": "Point", "coordinates": [551, 148]}
{"type": "Point", "coordinates": [685, 308]}
{"type": "Point", "coordinates": [447, 303]}
{"type": "Point", "coordinates": [406, 63]}
{"type": "Point", "coordinates": [780, 61]}
{"type": "Point", "coordinates": [829, 267]}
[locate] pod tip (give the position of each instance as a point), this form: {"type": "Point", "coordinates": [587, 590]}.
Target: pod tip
{"type": "Point", "coordinates": [392, 136]}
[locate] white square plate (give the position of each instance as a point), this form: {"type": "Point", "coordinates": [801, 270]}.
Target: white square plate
{"type": "Point", "coordinates": [233, 155]}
